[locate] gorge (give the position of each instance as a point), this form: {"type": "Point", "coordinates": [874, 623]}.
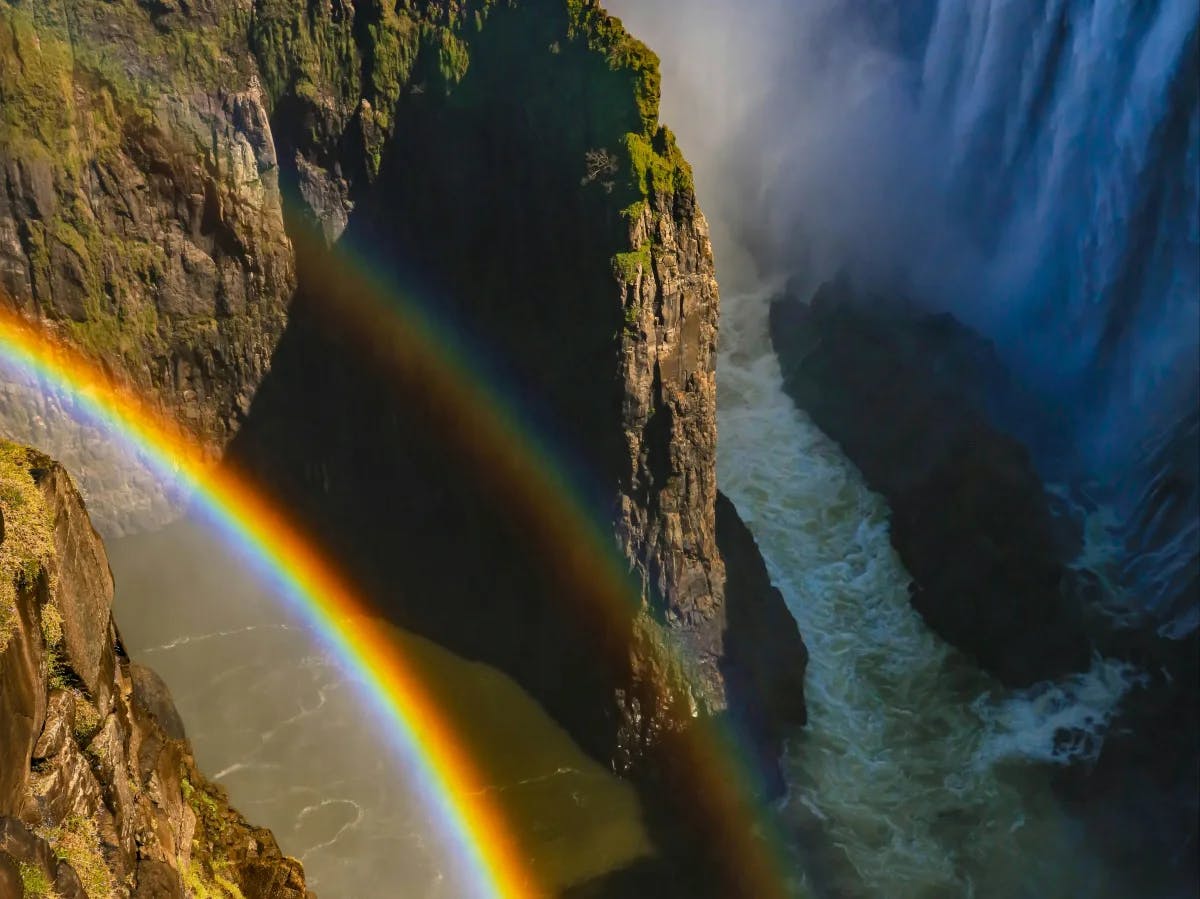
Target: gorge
{"type": "Point", "coordinates": [871, 573]}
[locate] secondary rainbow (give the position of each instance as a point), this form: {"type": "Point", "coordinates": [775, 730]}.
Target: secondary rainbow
{"type": "Point", "coordinates": [446, 775]}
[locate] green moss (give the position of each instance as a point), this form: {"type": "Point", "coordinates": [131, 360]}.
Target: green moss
{"type": "Point", "coordinates": [35, 883]}
{"type": "Point", "coordinates": [58, 672]}
{"type": "Point", "coordinates": [77, 842]}
{"type": "Point", "coordinates": [52, 623]}
{"type": "Point", "coordinates": [28, 545]}
{"type": "Point", "coordinates": [392, 48]}
{"type": "Point", "coordinates": [606, 35]}
{"type": "Point", "coordinates": [453, 57]}
{"type": "Point", "coordinates": [208, 876]}
{"type": "Point", "coordinates": [210, 884]}
{"type": "Point", "coordinates": [300, 42]}
{"type": "Point", "coordinates": [87, 719]}
{"type": "Point", "coordinates": [35, 83]}
{"type": "Point", "coordinates": [657, 165]}
{"type": "Point", "coordinates": [628, 266]}
{"type": "Point", "coordinates": [634, 211]}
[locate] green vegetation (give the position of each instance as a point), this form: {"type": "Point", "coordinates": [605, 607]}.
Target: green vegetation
{"type": "Point", "coordinates": [46, 122]}
{"type": "Point", "coordinates": [208, 877]}
{"type": "Point", "coordinates": [628, 266]}
{"type": "Point", "coordinates": [28, 544]}
{"type": "Point", "coordinates": [36, 884]}
{"type": "Point", "coordinates": [622, 52]}
{"type": "Point", "coordinates": [658, 167]}
{"type": "Point", "coordinates": [77, 842]}
{"type": "Point", "coordinates": [212, 884]}
{"type": "Point", "coordinates": [307, 51]}
{"type": "Point", "coordinates": [632, 313]}
{"type": "Point", "coordinates": [87, 719]}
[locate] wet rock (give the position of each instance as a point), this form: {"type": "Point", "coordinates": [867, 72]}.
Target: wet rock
{"type": "Point", "coordinates": [907, 396]}
{"type": "Point", "coordinates": [765, 656]}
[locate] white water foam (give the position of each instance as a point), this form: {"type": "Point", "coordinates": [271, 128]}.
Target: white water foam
{"type": "Point", "coordinates": [920, 769]}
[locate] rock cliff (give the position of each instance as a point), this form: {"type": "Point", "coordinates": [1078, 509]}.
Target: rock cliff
{"type": "Point", "coordinates": [140, 213]}
{"type": "Point", "coordinates": [99, 793]}
{"type": "Point", "coordinates": [907, 395]}
{"type": "Point", "coordinates": [560, 243]}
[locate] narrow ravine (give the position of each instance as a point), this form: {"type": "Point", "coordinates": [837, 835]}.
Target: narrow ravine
{"type": "Point", "coordinates": [919, 770]}
{"type": "Point", "coordinates": [283, 727]}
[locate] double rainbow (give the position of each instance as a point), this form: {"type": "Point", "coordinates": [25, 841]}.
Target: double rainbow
{"type": "Point", "coordinates": [322, 596]}
{"type": "Point", "coordinates": [488, 433]}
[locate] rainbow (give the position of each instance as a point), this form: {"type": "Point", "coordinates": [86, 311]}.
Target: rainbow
{"type": "Point", "coordinates": [471, 824]}
{"type": "Point", "coordinates": [479, 423]}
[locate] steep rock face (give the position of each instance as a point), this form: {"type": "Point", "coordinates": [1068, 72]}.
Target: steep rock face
{"type": "Point", "coordinates": [561, 233]}
{"type": "Point", "coordinates": [140, 213]}
{"type": "Point", "coordinates": [765, 656]}
{"type": "Point", "coordinates": [99, 793]}
{"type": "Point", "coordinates": [970, 516]}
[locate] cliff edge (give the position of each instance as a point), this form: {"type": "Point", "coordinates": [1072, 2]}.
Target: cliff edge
{"type": "Point", "coordinates": [99, 793]}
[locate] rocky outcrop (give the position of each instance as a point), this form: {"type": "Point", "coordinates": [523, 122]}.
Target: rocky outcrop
{"type": "Point", "coordinates": [765, 656]}
{"type": "Point", "coordinates": [99, 793]}
{"type": "Point", "coordinates": [906, 396]}
{"type": "Point", "coordinates": [140, 214]}
{"type": "Point", "coordinates": [565, 239]}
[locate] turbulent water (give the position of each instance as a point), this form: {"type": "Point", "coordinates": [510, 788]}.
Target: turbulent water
{"type": "Point", "coordinates": [924, 777]}
{"type": "Point", "coordinates": [284, 729]}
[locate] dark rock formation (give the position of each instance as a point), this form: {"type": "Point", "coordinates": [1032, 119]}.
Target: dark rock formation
{"type": "Point", "coordinates": [912, 399]}
{"type": "Point", "coordinates": [565, 257]}
{"type": "Point", "coordinates": [971, 520]}
{"type": "Point", "coordinates": [99, 793]}
{"type": "Point", "coordinates": [564, 265]}
{"type": "Point", "coordinates": [765, 657]}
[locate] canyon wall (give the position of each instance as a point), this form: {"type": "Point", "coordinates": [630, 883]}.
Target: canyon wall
{"type": "Point", "coordinates": [99, 793]}
{"type": "Point", "coordinates": [140, 218]}
{"type": "Point", "coordinates": [500, 169]}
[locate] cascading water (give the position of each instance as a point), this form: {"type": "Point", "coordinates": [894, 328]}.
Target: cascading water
{"type": "Point", "coordinates": [1069, 136]}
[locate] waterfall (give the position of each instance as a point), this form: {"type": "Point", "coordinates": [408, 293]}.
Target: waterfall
{"type": "Point", "coordinates": [1031, 166]}
{"type": "Point", "coordinates": [1069, 139]}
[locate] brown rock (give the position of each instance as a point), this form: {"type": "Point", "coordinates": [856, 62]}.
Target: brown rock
{"type": "Point", "coordinates": [10, 878]}
{"type": "Point", "coordinates": [88, 758]}
{"type": "Point", "coordinates": [150, 692]}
